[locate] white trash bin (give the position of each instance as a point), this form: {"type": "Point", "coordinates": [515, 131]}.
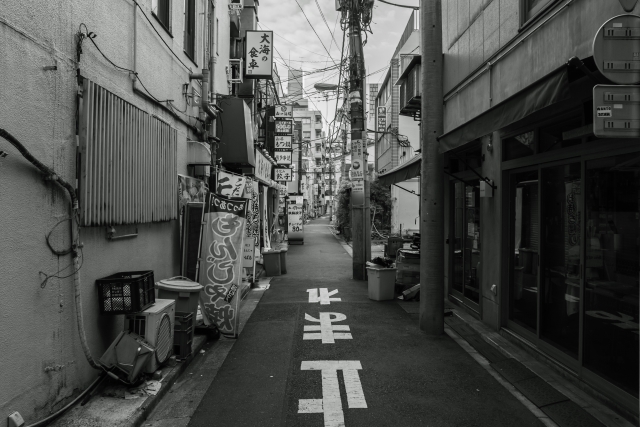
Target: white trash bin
{"type": "Point", "coordinates": [382, 283]}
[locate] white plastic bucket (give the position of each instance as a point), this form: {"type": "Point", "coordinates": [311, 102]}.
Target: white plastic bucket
{"type": "Point", "coordinates": [382, 282]}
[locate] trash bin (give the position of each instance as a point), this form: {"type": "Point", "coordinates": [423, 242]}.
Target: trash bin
{"type": "Point", "coordinates": [283, 260]}
{"type": "Point", "coordinates": [382, 282]}
{"type": "Point", "coordinates": [183, 291]}
{"type": "Point", "coordinates": [272, 262]}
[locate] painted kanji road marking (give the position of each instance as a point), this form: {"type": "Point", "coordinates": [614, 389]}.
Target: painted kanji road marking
{"type": "Point", "coordinates": [327, 331]}
{"type": "Point", "coordinates": [325, 296]}
{"type": "Point", "coordinates": [331, 405]}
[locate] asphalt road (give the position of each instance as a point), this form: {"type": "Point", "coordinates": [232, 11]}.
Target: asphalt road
{"type": "Point", "coordinates": [395, 375]}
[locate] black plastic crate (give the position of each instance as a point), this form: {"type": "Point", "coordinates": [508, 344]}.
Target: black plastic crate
{"type": "Point", "coordinates": [182, 341]}
{"type": "Point", "coordinates": [126, 292]}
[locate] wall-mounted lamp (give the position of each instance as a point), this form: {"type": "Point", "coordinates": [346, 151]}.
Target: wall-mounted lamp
{"type": "Point", "coordinates": [490, 144]}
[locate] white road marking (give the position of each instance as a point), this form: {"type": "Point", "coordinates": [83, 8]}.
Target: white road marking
{"type": "Point", "coordinates": [327, 331]}
{"type": "Point", "coordinates": [330, 404]}
{"type": "Point", "coordinates": [325, 296]}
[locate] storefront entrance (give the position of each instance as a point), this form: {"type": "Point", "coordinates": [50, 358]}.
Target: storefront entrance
{"type": "Point", "coordinates": [466, 274]}
{"type": "Point", "coordinates": [574, 259]}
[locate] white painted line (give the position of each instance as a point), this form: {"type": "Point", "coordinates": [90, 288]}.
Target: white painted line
{"type": "Point", "coordinates": [326, 328]}
{"type": "Point", "coordinates": [324, 297]}
{"type": "Point", "coordinates": [331, 405]}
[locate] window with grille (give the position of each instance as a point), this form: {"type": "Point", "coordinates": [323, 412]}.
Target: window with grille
{"type": "Point", "coordinates": [127, 171]}
{"type": "Point", "coordinates": [161, 9]}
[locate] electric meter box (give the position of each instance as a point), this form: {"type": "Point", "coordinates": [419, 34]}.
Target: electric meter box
{"type": "Point", "coordinates": [616, 49]}
{"type": "Point", "coordinates": [616, 111]}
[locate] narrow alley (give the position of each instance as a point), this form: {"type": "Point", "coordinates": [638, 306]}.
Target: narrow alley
{"type": "Point", "coordinates": [376, 367]}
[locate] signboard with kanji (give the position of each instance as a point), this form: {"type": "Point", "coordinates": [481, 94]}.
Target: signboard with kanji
{"type": "Point", "coordinates": [616, 111]}
{"type": "Point", "coordinates": [382, 119]}
{"type": "Point", "coordinates": [284, 111]}
{"type": "Point", "coordinates": [283, 157]}
{"type": "Point", "coordinates": [283, 142]}
{"type": "Point", "coordinates": [284, 127]}
{"type": "Point", "coordinates": [259, 54]}
{"type": "Point", "coordinates": [358, 160]}
{"type": "Point", "coordinates": [263, 167]}
{"type": "Point", "coordinates": [283, 174]}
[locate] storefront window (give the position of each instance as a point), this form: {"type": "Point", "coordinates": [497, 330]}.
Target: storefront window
{"type": "Point", "coordinates": [612, 268]}
{"type": "Point", "coordinates": [561, 240]}
{"type": "Point", "coordinates": [525, 242]}
{"type": "Point", "coordinates": [519, 146]}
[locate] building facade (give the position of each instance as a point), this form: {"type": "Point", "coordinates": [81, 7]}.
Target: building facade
{"type": "Point", "coordinates": [541, 215]}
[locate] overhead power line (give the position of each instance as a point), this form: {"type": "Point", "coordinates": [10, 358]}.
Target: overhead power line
{"type": "Point", "coordinates": [314, 30]}
{"type": "Point", "coordinates": [400, 5]}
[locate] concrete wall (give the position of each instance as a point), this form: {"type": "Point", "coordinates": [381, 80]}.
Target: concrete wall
{"type": "Point", "coordinates": [42, 361]}
{"type": "Point", "coordinates": [405, 207]}
{"type": "Point", "coordinates": [476, 31]}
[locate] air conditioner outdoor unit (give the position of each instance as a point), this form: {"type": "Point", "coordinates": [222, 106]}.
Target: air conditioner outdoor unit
{"type": "Point", "coordinates": [155, 326]}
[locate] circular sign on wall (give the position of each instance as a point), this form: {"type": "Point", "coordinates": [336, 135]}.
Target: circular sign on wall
{"type": "Point", "coordinates": [616, 49]}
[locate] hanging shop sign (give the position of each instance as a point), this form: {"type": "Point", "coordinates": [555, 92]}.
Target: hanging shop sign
{"type": "Point", "coordinates": [284, 174]}
{"type": "Point", "coordinates": [382, 119]}
{"type": "Point", "coordinates": [263, 167]}
{"type": "Point", "coordinates": [221, 263]}
{"type": "Point", "coordinates": [284, 127]}
{"type": "Point", "coordinates": [284, 111]}
{"type": "Point", "coordinates": [230, 185]}
{"type": "Point", "coordinates": [283, 142]}
{"type": "Point", "coordinates": [616, 51]}
{"type": "Point", "coordinates": [616, 111]}
{"type": "Point", "coordinates": [259, 54]}
{"type": "Point", "coordinates": [284, 157]}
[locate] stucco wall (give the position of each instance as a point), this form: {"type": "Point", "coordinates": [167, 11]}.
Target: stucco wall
{"type": "Point", "coordinates": [476, 31]}
{"type": "Point", "coordinates": [42, 362]}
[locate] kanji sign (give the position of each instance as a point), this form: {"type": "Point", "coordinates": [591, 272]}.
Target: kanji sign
{"type": "Point", "coordinates": [284, 157]}
{"type": "Point", "coordinates": [259, 54]}
{"type": "Point", "coordinates": [358, 160]}
{"type": "Point", "coordinates": [283, 142]}
{"type": "Point", "coordinates": [284, 111]}
{"type": "Point", "coordinates": [284, 127]}
{"type": "Point", "coordinates": [263, 168]}
{"type": "Point", "coordinates": [283, 174]}
{"type": "Point", "coordinates": [382, 119]}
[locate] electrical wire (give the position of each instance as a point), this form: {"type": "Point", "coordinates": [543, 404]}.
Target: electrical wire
{"type": "Point", "coordinates": [314, 30]}
{"type": "Point", "coordinates": [161, 38]}
{"type": "Point", "coordinates": [400, 5]}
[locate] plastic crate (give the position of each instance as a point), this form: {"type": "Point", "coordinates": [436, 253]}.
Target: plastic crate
{"type": "Point", "coordinates": [182, 343]}
{"type": "Point", "coordinates": [126, 292]}
{"type": "Point", "coordinates": [183, 321]}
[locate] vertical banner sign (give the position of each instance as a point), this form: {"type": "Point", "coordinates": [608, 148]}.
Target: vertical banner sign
{"type": "Point", "coordinates": [248, 252]}
{"type": "Point", "coordinates": [259, 55]}
{"type": "Point", "coordinates": [221, 266]}
{"type": "Point", "coordinates": [263, 168]}
{"type": "Point", "coordinates": [382, 119]}
{"type": "Point", "coordinates": [265, 219]}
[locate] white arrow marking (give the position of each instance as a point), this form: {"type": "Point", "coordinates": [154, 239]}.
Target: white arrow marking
{"type": "Point", "coordinates": [325, 296]}
{"type": "Point", "coordinates": [331, 404]}
{"type": "Point", "coordinates": [326, 334]}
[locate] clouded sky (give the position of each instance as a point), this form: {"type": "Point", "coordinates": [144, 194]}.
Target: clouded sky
{"type": "Point", "coordinates": [298, 46]}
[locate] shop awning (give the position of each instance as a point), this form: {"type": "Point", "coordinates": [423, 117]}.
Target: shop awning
{"type": "Point", "coordinates": [235, 131]}
{"type": "Point", "coordinates": [549, 90]}
{"type": "Point", "coordinates": [402, 172]}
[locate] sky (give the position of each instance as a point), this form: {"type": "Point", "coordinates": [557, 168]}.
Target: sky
{"type": "Point", "coordinates": [297, 45]}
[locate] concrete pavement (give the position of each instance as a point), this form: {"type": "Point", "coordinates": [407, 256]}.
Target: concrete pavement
{"type": "Point", "coordinates": [386, 373]}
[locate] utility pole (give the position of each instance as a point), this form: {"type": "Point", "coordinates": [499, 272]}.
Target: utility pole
{"type": "Point", "coordinates": [360, 205]}
{"type": "Point", "coordinates": [431, 174]}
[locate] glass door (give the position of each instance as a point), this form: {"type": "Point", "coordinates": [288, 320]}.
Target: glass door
{"type": "Point", "coordinates": [561, 261]}
{"type": "Point", "coordinates": [466, 243]}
